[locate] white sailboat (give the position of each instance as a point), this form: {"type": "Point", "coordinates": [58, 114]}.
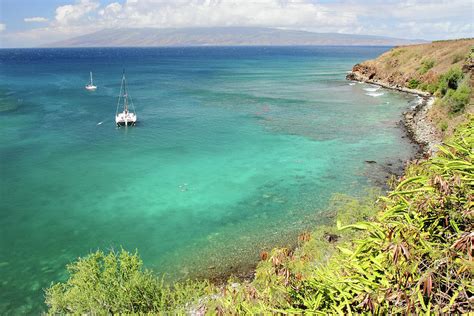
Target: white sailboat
{"type": "Point", "coordinates": [91, 86]}
{"type": "Point", "coordinates": [126, 117]}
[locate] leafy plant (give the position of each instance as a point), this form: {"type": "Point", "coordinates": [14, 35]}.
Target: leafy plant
{"type": "Point", "coordinates": [457, 99]}
{"type": "Point", "coordinates": [450, 80]}
{"type": "Point", "coordinates": [413, 83]}
{"type": "Point", "coordinates": [426, 65]}
{"type": "Point", "coordinates": [116, 283]}
{"type": "Point", "coordinates": [429, 87]}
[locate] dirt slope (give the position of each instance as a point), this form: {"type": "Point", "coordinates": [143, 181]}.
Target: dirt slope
{"type": "Point", "coordinates": [424, 62]}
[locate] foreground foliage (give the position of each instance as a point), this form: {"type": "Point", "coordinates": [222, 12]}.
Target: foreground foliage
{"type": "Point", "coordinates": [116, 283]}
{"type": "Point", "coordinates": [411, 253]}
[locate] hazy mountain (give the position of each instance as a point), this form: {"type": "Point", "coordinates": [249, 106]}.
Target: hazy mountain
{"type": "Point", "coordinates": [221, 36]}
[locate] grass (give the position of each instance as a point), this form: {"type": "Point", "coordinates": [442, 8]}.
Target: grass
{"type": "Point", "coordinates": [409, 252]}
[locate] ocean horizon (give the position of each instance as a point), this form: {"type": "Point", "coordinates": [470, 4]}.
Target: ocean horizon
{"type": "Point", "coordinates": [236, 150]}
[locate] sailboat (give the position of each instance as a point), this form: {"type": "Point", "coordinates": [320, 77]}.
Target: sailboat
{"type": "Point", "coordinates": [91, 86]}
{"type": "Point", "coordinates": [126, 117]}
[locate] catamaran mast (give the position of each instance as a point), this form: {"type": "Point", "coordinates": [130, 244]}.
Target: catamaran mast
{"type": "Point", "coordinates": [125, 95]}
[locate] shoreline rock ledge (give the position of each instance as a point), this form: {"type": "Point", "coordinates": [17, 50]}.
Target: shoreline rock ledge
{"type": "Point", "coordinates": [416, 120]}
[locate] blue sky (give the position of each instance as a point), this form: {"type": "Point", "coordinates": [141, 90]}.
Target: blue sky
{"type": "Point", "coordinates": [26, 23]}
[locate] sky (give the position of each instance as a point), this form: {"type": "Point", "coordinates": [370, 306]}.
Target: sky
{"type": "Point", "coordinates": [30, 23]}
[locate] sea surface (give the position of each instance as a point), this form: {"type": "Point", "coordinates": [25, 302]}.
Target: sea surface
{"type": "Point", "coordinates": [237, 150]}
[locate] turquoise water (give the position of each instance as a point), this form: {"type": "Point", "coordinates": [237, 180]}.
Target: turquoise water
{"type": "Point", "coordinates": [236, 150]}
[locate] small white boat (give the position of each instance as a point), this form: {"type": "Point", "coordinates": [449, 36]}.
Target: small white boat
{"type": "Point", "coordinates": [126, 117]}
{"type": "Point", "coordinates": [91, 86]}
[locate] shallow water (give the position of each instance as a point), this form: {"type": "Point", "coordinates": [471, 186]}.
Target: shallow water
{"type": "Point", "coordinates": [237, 150]}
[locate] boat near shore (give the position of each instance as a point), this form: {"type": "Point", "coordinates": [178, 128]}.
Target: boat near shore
{"type": "Point", "coordinates": [126, 117]}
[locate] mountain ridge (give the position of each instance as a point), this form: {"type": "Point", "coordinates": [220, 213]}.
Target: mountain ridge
{"type": "Point", "coordinates": [222, 36]}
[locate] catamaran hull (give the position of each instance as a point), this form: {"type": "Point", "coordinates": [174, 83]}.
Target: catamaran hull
{"type": "Point", "coordinates": [125, 119]}
{"type": "Point", "coordinates": [126, 123]}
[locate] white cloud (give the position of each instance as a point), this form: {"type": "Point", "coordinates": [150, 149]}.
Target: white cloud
{"type": "Point", "coordinates": [35, 19]}
{"type": "Point", "coordinates": [192, 13]}
{"type": "Point", "coordinates": [3, 27]}
{"type": "Point", "coordinates": [429, 19]}
{"type": "Point", "coordinates": [111, 10]}
{"type": "Point", "coordinates": [71, 13]}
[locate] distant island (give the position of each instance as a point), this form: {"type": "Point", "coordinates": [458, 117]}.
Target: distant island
{"type": "Point", "coordinates": [222, 36]}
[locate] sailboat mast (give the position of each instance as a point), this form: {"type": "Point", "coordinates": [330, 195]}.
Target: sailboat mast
{"type": "Point", "coordinates": [92, 83]}
{"type": "Point", "coordinates": [125, 95]}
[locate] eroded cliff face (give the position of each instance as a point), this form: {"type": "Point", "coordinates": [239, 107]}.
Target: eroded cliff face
{"type": "Point", "coordinates": [368, 72]}
{"type": "Point", "coordinates": [416, 63]}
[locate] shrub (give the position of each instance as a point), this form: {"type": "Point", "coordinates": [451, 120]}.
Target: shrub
{"type": "Point", "coordinates": [116, 283]}
{"type": "Point", "coordinates": [426, 65]}
{"type": "Point", "coordinates": [457, 99]}
{"type": "Point", "coordinates": [413, 83]}
{"type": "Point", "coordinates": [429, 87]}
{"type": "Point", "coordinates": [450, 80]}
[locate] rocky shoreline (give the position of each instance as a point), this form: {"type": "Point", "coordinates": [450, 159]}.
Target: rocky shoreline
{"type": "Point", "coordinates": [416, 120]}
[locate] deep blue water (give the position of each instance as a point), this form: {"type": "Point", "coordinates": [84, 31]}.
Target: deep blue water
{"type": "Point", "coordinates": [237, 150]}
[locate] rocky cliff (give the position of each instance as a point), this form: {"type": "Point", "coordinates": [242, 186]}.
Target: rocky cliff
{"type": "Point", "coordinates": [414, 65]}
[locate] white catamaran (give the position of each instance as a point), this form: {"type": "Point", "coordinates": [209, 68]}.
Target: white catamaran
{"type": "Point", "coordinates": [125, 117]}
{"type": "Point", "coordinates": [91, 86]}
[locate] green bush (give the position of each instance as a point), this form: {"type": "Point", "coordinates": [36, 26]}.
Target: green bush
{"type": "Point", "coordinates": [457, 99]}
{"type": "Point", "coordinates": [413, 83]}
{"type": "Point", "coordinates": [450, 80]}
{"type": "Point", "coordinates": [116, 283]}
{"type": "Point", "coordinates": [426, 65]}
{"type": "Point", "coordinates": [429, 87]}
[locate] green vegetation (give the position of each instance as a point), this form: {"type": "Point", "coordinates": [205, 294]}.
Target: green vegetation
{"type": "Point", "coordinates": [426, 65]}
{"type": "Point", "coordinates": [455, 91]}
{"type": "Point", "coordinates": [456, 100]}
{"type": "Point", "coordinates": [116, 283]}
{"type": "Point", "coordinates": [429, 87]}
{"type": "Point", "coordinates": [452, 88]}
{"type": "Point", "coordinates": [450, 80]}
{"type": "Point", "coordinates": [411, 254]}
{"type": "Point", "coordinates": [457, 58]}
{"type": "Point", "coordinates": [413, 83]}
